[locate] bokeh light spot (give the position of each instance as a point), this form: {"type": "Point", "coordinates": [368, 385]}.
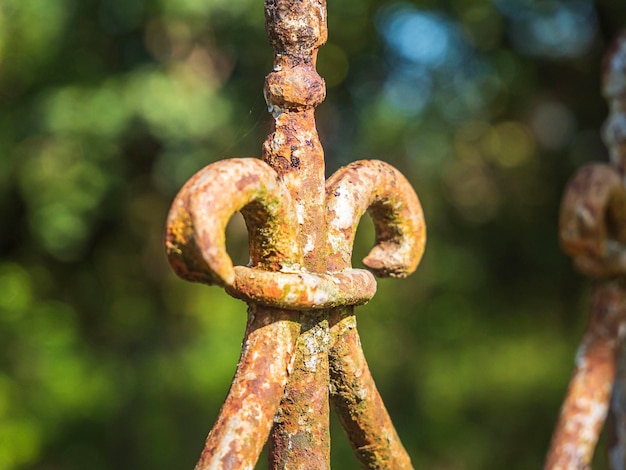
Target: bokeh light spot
{"type": "Point", "coordinates": [509, 144]}
{"type": "Point", "coordinates": [16, 291]}
{"type": "Point", "coordinates": [553, 124]}
{"type": "Point", "coordinates": [551, 29]}
{"type": "Point", "coordinates": [420, 37]}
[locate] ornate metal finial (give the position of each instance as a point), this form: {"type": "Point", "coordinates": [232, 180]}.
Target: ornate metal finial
{"type": "Point", "coordinates": [301, 340]}
{"type": "Point", "coordinates": [593, 232]}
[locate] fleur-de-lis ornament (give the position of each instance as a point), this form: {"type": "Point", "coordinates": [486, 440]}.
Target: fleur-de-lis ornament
{"type": "Point", "coordinates": [301, 351]}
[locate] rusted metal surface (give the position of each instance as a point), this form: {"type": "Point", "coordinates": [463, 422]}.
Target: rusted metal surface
{"type": "Point", "coordinates": [617, 418]}
{"type": "Point", "coordinates": [593, 232]}
{"type": "Point", "coordinates": [300, 438]}
{"type": "Point", "coordinates": [300, 286]}
{"type": "Point", "coordinates": [196, 227]}
{"type": "Point", "coordinates": [245, 420]}
{"type": "Point", "coordinates": [376, 187]}
{"type": "Point", "coordinates": [356, 400]}
{"type": "Point", "coordinates": [614, 134]}
{"type": "Point", "coordinates": [614, 89]}
{"type": "Point", "coordinates": [587, 401]}
{"type": "Point", "coordinates": [302, 290]}
{"type": "Point", "coordinates": [379, 188]}
{"type": "Point", "coordinates": [296, 29]}
{"type": "Point", "coordinates": [592, 209]}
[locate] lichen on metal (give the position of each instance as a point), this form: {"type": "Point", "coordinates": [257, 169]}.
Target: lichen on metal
{"type": "Point", "coordinates": [380, 189]}
{"type": "Point", "coordinates": [303, 290]}
{"type": "Point", "coordinates": [301, 348]}
{"type": "Point", "coordinates": [593, 231]}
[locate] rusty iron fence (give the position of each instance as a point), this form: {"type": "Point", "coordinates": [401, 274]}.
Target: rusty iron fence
{"type": "Point", "coordinates": [593, 232]}
{"type": "Point", "coordinates": [301, 351]}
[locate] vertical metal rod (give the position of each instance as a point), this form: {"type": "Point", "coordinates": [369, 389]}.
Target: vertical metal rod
{"type": "Point", "coordinates": [614, 135]}
{"type": "Point", "coordinates": [300, 438]}
{"type": "Point", "coordinates": [296, 29]}
{"type": "Point", "coordinates": [593, 232]}
{"type": "Point", "coordinates": [586, 404]}
{"type": "Point", "coordinates": [617, 418]}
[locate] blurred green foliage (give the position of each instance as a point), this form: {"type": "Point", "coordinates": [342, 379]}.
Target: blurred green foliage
{"type": "Point", "coordinates": [108, 106]}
